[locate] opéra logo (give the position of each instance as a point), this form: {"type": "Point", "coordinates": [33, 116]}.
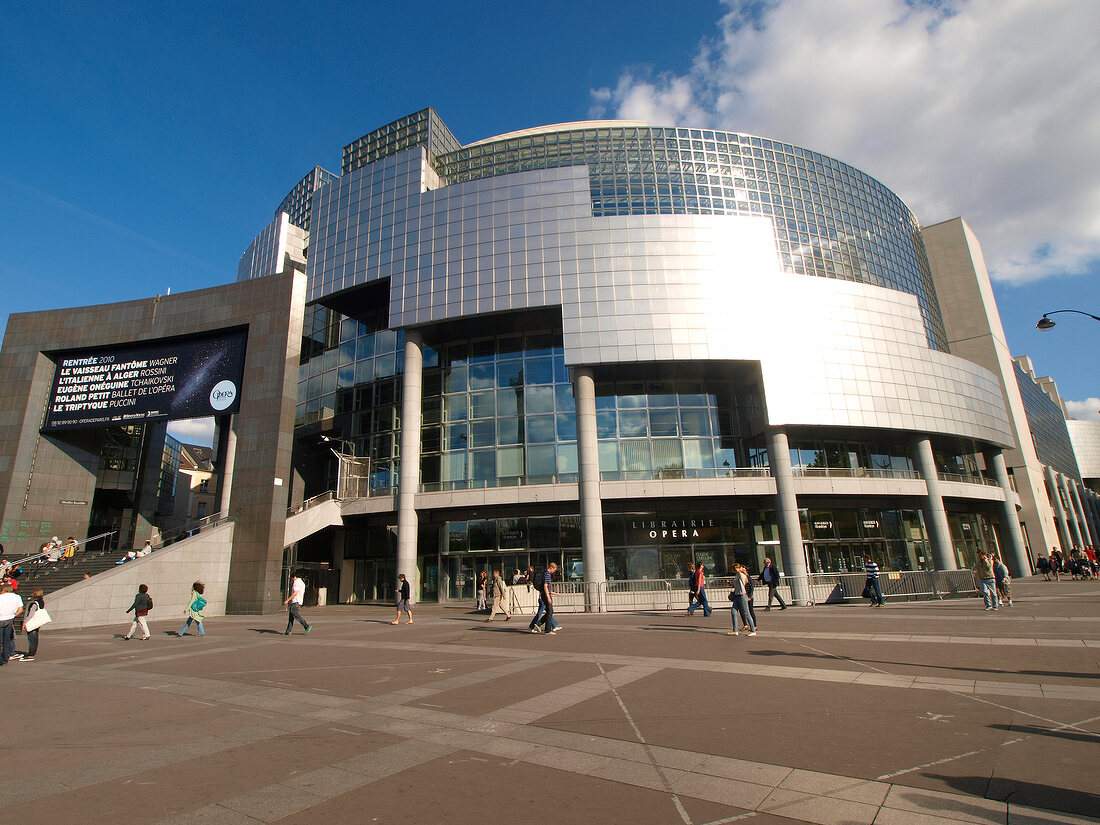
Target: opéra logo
{"type": "Point", "coordinates": [223, 394]}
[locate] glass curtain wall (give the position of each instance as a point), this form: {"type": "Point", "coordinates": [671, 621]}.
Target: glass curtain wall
{"type": "Point", "coordinates": [695, 424]}
{"type": "Point", "coordinates": [498, 411]}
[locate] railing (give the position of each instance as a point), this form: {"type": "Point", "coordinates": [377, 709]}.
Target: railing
{"type": "Point", "coordinates": [190, 529]}
{"type": "Point", "coordinates": [685, 472]}
{"type": "Point", "coordinates": [672, 594]}
{"type": "Point", "coordinates": [328, 495]}
{"type": "Point", "coordinates": [853, 472]}
{"type": "Point", "coordinates": [44, 558]}
{"type": "Point", "coordinates": [962, 478]}
{"type": "Point", "coordinates": [490, 483]}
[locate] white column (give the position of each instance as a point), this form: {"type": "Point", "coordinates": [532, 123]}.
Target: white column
{"type": "Point", "coordinates": [935, 516]}
{"type": "Point", "coordinates": [1087, 536]}
{"type": "Point", "coordinates": [412, 385]}
{"type": "Point", "coordinates": [588, 463]}
{"type": "Point", "coordinates": [786, 510]}
{"type": "Point", "coordinates": [1014, 538]}
{"type": "Point", "coordinates": [1071, 515]}
{"type": "Point", "coordinates": [1059, 512]}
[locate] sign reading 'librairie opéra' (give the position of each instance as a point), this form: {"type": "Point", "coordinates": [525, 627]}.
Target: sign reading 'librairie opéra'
{"type": "Point", "coordinates": [173, 379]}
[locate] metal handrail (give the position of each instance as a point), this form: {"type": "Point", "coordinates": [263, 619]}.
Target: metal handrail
{"type": "Point", "coordinates": [36, 556]}
{"type": "Point", "coordinates": [191, 528]}
{"type": "Point", "coordinates": [320, 498]}
{"type": "Point", "coordinates": [963, 478]}
{"type": "Point", "coordinates": [853, 472]}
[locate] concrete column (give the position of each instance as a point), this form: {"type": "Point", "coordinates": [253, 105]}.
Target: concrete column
{"type": "Point", "coordinates": [1013, 536]}
{"type": "Point", "coordinates": [935, 516]}
{"type": "Point", "coordinates": [588, 462]}
{"type": "Point", "coordinates": [412, 386]}
{"type": "Point", "coordinates": [227, 449]}
{"type": "Point", "coordinates": [1059, 512]}
{"type": "Point", "coordinates": [786, 509]}
{"type": "Point", "coordinates": [1071, 515]}
{"type": "Point", "coordinates": [1087, 536]}
{"type": "Point", "coordinates": [408, 479]}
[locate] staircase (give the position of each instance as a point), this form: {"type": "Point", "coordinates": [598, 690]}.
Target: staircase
{"type": "Point", "coordinates": [52, 577]}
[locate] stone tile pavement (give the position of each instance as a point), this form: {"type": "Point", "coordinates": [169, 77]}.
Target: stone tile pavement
{"type": "Point", "coordinates": [918, 714]}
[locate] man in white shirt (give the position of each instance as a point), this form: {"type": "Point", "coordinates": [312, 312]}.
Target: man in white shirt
{"type": "Point", "coordinates": [295, 599]}
{"type": "Point", "coordinates": [11, 605]}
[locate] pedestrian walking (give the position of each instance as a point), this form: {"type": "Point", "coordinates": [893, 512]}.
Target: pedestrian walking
{"type": "Point", "coordinates": [11, 605]}
{"type": "Point", "coordinates": [699, 589]}
{"type": "Point", "coordinates": [871, 589]}
{"type": "Point", "coordinates": [500, 598]}
{"type": "Point", "coordinates": [1004, 582]}
{"type": "Point", "coordinates": [748, 593]}
{"type": "Point", "coordinates": [740, 608]}
{"type": "Point", "coordinates": [404, 599]}
{"type": "Point", "coordinates": [987, 580]}
{"type": "Point", "coordinates": [294, 604]}
{"type": "Point", "coordinates": [143, 603]}
{"type": "Point", "coordinates": [1056, 563]}
{"type": "Point", "coordinates": [482, 590]}
{"type": "Point", "coordinates": [771, 577]}
{"type": "Point", "coordinates": [1042, 564]}
{"type": "Point", "coordinates": [36, 603]}
{"type": "Point", "coordinates": [545, 612]}
{"type": "Point", "coordinates": [195, 606]}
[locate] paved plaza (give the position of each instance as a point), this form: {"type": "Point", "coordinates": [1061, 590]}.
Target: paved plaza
{"type": "Point", "coordinates": [914, 714]}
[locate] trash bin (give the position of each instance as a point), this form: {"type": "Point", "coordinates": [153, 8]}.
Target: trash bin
{"type": "Point", "coordinates": [322, 596]}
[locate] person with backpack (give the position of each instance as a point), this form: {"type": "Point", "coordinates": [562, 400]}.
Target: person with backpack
{"type": "Point", "coordinates": [545, 612]}
{"type": "Point", "coordinates": [194, 609]}
{"type": "Point", "coordinates": [143, 603]}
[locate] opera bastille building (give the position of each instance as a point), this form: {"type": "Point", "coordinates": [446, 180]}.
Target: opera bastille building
{"type": "Point", "coordinates": [619, 347]}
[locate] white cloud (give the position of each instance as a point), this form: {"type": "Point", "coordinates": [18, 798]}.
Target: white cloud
{"type": "Point", "coordinates": [198, 431]}
{"type": "Point", "coordinates": [985, 108]}
{"type": "Point", "coordinates": [1087, 410]}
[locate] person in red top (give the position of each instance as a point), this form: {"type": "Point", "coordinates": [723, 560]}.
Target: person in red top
{"type": "Point", "coordinates": [699, 589]}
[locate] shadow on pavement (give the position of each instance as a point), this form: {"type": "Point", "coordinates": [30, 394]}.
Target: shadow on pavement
{"type": "Point", "coordinates": [1025, 793]}
{"type": "Point", "coordinates": [1032, 730]}
{"type": "Point", "coordinates": [266, 630]}
{"type": "Point", "coordinates": [834, 657]}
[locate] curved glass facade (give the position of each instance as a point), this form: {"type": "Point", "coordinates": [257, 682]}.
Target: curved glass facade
{"type": "Point", "coordinates": [831, 220]}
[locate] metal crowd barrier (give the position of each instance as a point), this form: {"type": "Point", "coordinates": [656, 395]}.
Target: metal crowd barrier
{"type": "Point", "coordinates": [672, 594]}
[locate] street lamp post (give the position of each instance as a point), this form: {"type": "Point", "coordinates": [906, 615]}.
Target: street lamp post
{"type": "Point", "coordinates": [1046, 322]}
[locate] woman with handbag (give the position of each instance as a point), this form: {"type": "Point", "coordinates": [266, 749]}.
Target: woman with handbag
{"type": "Point", "coordinates": [32, 625]}
{"type": "Point", "coordinates": [194, 609]}
{"type": "Point", "coordinates": [143, 603]}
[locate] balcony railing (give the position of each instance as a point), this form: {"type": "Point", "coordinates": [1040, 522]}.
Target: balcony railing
{"type": "Point", "coordinates": [853, 472]}
{"type": "Point", "coordinates": [962, 478]}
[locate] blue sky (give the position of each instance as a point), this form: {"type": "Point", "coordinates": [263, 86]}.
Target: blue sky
{"type": "Point", "coordinates": [147, 144]}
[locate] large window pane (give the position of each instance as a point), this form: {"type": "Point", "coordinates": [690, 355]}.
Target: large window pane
{"type": "Point", "coordinates": [540, 428]}
{"type": "Point", "coordinates": [633, 423]}
{"type": "Point", "coordinates": [510, 462]}
{"type": "Point", "coordinates": [636, 457]}
{"type": "Point", "coordinates": [539, 399]}
{"type": "Point", "coordinates": [542, 462]}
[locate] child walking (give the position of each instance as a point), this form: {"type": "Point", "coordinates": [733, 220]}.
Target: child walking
{"type": "Point", "coordinates": [143, 603]}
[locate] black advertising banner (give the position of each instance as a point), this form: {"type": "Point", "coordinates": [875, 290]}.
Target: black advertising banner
{"type": "Point", "coordinates": [174, 379]}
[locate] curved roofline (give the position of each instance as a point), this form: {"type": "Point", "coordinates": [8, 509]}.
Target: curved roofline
{"type": "Point", "coordinates": [560, 127]}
